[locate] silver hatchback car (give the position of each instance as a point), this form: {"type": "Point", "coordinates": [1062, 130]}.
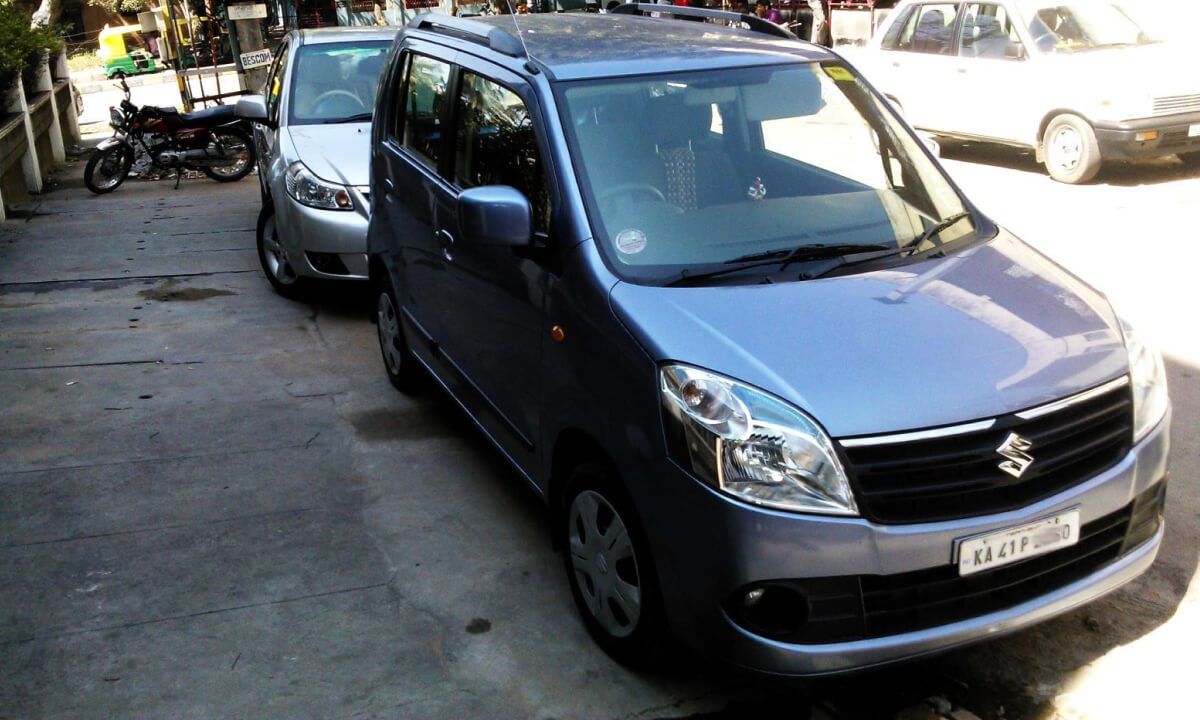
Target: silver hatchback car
{"type": "Point", "coordinates": [313, 140]}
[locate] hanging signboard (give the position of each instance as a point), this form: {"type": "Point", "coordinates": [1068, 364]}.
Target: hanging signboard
{"type": "Point", "coordinates": [247, 11]}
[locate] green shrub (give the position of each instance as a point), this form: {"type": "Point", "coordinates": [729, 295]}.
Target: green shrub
{"type": "Point", "coordinates": [20, 45]}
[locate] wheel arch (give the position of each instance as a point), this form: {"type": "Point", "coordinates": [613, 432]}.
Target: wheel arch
{"type": "Point", "coordinates": [572, 446]}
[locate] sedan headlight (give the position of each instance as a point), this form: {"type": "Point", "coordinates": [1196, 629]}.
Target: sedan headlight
{"type": "Point", "coordinates": [750, 445]}
{"type": "Point", "coordinates": [1149, 382]}
{"type": "Point", "coordinates": [310, 190]}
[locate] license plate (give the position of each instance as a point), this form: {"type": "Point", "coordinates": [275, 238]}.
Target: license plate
{"type": "Point", "coordinates": [1194, 131]}
{"type": "Point", "coordinates": [984, 552]}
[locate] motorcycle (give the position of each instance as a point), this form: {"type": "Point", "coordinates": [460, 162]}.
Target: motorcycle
{"type": "Point", "coordinates": [214, 141]}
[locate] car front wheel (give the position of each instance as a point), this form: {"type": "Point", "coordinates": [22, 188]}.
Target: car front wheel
{"type": "Point", "coordinates": [1190, 159]}
{"type": "Point", "coordinates": [1071, 152]}
{"type": "Point", "coordinates": [609, 568]}
{"type": "Point", "coordinates": [272, 255]}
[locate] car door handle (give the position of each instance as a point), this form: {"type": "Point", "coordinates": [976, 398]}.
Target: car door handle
{"type": "Point", "coordinates": [388, 187]}
{"type": "Point", "coordinates": [895, 64]}
{"type": "Point", "coordinates": [447, 242]}
{"type": "Point", "coordinates": [962, 71]}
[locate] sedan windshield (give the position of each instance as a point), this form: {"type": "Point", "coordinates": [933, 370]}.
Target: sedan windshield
{"type": "Point", "coordinates": [335, 82]}
{"type": "Point", "coordinates": [1071, 27]}
{"type": "Point", "coordinates": [692, 173]}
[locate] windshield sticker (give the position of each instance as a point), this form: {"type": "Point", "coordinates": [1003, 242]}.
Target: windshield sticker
{"type": "Point", "coordinates": [838, 72]}
{"type": "Point", "coordinates": [631, 242]}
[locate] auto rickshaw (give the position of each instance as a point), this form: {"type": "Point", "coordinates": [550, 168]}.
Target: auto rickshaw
{"type": "Point", "coordinates": [119, 62]}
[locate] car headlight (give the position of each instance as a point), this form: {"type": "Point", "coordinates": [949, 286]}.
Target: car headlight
{"type": "Point", "coordinates": [750, 445]}
{"type": "Point", "coordinates": [310, 190]}
{"type": "Point", "coordinates": [1149, 382]}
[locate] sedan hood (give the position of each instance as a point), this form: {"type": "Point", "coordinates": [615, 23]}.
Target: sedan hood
{"type": "Point", "coordinates": [337, 153]}
{"type": "Point", "coordinates": [991, 330]}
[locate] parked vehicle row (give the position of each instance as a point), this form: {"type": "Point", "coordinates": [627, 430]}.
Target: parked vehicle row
{"type": "Point", "coordinates": [789, 395]}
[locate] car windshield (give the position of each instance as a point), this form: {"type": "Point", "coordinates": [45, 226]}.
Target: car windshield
{"type": "Point", "coordinates": [686, 173]}
{"type": "Point", "coordinates": [335, 82]}
{"type": "Point", "coordinates": [1071, 27]}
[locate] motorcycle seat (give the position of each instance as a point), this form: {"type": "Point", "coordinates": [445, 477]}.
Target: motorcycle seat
{"type": "Point", "coordinates": [208, 116]}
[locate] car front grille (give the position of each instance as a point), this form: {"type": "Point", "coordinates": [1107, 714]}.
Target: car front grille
{"type": "Point", "coordinates": [1172, 104]}
{"type": "Point", "coordinates": [858, 607]}
{"type": "Point", "coordinates": [914, 478]}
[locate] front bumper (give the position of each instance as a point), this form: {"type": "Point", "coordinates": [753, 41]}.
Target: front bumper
{"type": "Point", "coordinates": [1174, 134]}
{"type": "Point", "coordinates": [716, 547]}
{"type": "Point", "coordinates": [330, 244]}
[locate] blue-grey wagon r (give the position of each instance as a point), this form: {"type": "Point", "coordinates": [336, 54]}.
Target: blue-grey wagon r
{"type": "Point", "coordinates": [789, 395]}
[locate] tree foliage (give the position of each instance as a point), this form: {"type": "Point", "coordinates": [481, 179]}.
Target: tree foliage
{"type": "Point", "coordinates": [21, 45]}
{"type": "Point", "coordinates": [123, 6]}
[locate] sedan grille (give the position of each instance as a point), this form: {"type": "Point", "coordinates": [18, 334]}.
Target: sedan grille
{"type": "Point", "coordinates": [994, 465]}
{"type": "Point", "coordinates": [1171, 104]}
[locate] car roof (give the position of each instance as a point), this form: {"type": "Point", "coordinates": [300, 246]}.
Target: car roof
{"type": "Point", "coordinates": [574, 46]}
{"type": "Point", "coordinates": [319, 36]}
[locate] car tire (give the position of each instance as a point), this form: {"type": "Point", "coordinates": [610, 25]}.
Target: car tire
{"type": "Point", "coordinates": [403, 369]}
{"type": "Point", "coordinates": [630, 626]}
{"type": "Point", "coordinates": [1070, 150]}
{"type": "Point", "coordinates": [1190, 159]}
{"type": "Point", "coordinates": [272, 256]}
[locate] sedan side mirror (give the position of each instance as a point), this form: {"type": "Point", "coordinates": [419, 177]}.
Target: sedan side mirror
{"type": "Point", "coordinates": [495, 215]}
{"type": "Point", "coordinates": [252, 107]}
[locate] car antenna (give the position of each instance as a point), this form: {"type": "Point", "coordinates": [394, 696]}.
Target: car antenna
{"type": "Point", "coordinates": [529, 64]}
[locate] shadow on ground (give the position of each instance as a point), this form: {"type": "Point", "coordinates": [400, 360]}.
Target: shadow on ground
{"type": "Point", "coordinates": [1117, 173]}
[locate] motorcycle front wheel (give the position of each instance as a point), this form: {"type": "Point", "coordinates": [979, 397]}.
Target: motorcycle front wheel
{"type": "Point", "coordinates": [106, 169]}
{"type": "Point", "coordinates": [236, 143]}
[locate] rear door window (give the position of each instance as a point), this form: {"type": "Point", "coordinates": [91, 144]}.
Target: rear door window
{"type": "Point", "coordinates": [930, 29]}
{"type": "Point", "coordinates": [987, 32]}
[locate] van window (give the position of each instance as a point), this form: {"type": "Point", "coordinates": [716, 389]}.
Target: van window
{"type": "Point", "coordinates": [423, 107]}
{"type": "Point", "coordinates": [496, 145]}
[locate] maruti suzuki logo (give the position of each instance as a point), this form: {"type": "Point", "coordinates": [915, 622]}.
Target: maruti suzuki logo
{"type": "Point", "coordinates": [1015, 451]}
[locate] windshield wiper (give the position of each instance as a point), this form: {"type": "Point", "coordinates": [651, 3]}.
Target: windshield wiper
{"type": "Point", "coordinates": [361, 117]}
{"type": "Point", "coordinates": [782, 258]}
{"type": "Point", "coordinates": [933, 231]}
{"type": "Point", "coordinates": [910, 248]}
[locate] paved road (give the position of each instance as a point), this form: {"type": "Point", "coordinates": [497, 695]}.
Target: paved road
{"type": "Point", "coordinates": [212, 503]}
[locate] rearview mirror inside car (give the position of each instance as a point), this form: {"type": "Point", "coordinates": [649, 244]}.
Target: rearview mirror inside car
{"type": "Point", "coordinates": [495, 215]}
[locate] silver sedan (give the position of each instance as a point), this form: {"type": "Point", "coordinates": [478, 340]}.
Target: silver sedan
{"type": "Point", "coordinates": [313, 140]}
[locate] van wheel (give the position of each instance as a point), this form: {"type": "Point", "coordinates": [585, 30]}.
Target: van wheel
{"type": "Point", "coordinates": [609, 568]}
{"type": "Point", "coordinates": [403, 370]}
{"type": "Point", "coordinates": [1072, 154]}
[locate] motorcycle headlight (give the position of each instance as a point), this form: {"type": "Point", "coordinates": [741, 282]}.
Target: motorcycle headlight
{"type": "Point", "coordinates": [115, 117]}
{"type": "Point", "coordinates": [751, 445]}
{"type": "Point", "coordinates": [1149, 378]}
{"type": "Point", "coordinates": [310, 190]}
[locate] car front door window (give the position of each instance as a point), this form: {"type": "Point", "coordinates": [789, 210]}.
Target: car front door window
{"type": "Point", "coordinates": [428, 83]}
{"type": "Point", "coordinates": [496, 145]}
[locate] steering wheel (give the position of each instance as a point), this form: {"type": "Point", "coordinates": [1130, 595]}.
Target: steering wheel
{"type": "Point", "coordinates": [632, 189]}
{"type": "Point", "coordinates": [336, 93]}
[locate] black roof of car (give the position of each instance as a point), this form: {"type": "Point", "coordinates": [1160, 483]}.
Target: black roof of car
{"type": "Point", "coordinates": [578, 45]}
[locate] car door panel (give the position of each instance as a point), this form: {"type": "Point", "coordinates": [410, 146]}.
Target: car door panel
{"type": "Point", "coordinates": [491, 298]}
{"type": "Point", "coordinates": [987, 69]}
{"type": "Point", "coordinates": [416, 195]}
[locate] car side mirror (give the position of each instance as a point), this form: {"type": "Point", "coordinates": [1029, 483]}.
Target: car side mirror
{"type": "Point", "coordinates": [1014, 51]}
{"type": "Point", "coordinates": [495, 215]}
{"type": "Point", "coordinates": [252, 107]}
{"type": "Point", "coordinates": [931, 144]}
